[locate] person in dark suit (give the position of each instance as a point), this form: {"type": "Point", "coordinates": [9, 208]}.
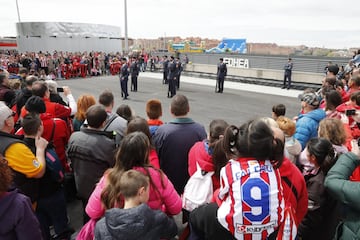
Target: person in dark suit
{"type": "Point", "coordinates": [165, 70]}
{"type": "Point", "coordinates": [221, 73]}
{"type": "Point", "coordinates": [172, 77]}
{"type": "Point", "coordinates": [134, 71]}
{"type": "Point", "coordinates": [124, 77]}
{"type": "Point", "coordinates": [287, 74]}
{"type": "Point", "coordinates": [179, 69]}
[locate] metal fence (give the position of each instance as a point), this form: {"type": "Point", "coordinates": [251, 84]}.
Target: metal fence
{"type": "Point", "coordinates": [274, 62]}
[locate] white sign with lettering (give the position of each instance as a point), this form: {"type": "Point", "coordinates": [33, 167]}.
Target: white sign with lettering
{"type": "Point", "coordinates": [237, 62]}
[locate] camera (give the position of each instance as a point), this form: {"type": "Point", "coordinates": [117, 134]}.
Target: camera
{"type": "Point", "coordinates": [350, 112]}
{"type": "Point", "coordinates": [60, 89]}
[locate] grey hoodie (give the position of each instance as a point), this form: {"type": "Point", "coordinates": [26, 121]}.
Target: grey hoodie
{"type": "Point", "coordinates": [138, 223]}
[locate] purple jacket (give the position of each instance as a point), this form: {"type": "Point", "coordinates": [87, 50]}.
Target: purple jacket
{"type": "Point", "coordinates": [17, 219]}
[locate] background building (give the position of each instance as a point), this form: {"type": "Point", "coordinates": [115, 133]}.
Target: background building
{"type": "Point", "coordinates": [66, 36]}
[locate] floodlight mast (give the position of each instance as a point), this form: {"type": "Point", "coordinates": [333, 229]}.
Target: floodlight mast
{"type": "Point", "coordinates": [126, 30]}
{"type": "Point", "coordinates": [18, 12]}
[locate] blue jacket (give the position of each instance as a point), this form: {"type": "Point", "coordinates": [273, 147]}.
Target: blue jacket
{"type": "Point", "coordinates": [307, 126]}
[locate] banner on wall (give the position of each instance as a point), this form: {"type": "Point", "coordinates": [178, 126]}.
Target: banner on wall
{"type": "Point", "coordinates": [229, 45]}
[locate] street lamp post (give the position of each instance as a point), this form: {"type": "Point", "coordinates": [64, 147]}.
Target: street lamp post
{"type": "Point", "coordinates": [18, 12]}
{"type": "Point", "coordinates": [126, 32]}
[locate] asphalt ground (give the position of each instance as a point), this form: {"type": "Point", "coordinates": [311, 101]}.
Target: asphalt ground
{"type": "Point", "coordinates": [238, 103]}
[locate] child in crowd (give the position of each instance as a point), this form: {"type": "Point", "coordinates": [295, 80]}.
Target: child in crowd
{"type": "Point", "coordinates": [17, 219]}
{"type": "Point", "coordinates": [278, 110]}
{"type": "Point", "coordinates": [51, 192]}
{"type": "Point", "coordinates": [292, 146]}
{"type": "Point", "coordinates": [133, 153]}
{"type": "Point", "coordinates": [255, 156]}
{"type": "Point", "coordinates": [323, 211]}
{"type": "Point", "coordinates": [83, 103]}
{"type": "Point", "coordinates": [136, 220]}
{"type": "Point", "coordinates": [209, 153]}
{"type": "Point", "coordinates": [125, 112]}
{"type": "Point", "coordinates": [154, 112]}
{"type": "Point", "coordinates": [140, 124]}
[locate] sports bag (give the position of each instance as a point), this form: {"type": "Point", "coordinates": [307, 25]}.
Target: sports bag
{"type": "Point", "coordinates": [198, 190]}
{"type": "Point", "coordinates": [53, 162]}
{"type": "Point", "coordinates": [53, 165]}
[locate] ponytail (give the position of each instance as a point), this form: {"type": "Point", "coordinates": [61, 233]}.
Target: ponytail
{"type": "Point", "coordinates": [219, 156]}
{"type": "Point", "coordinates": [230, 142]}
{"type": "Point", "coordinates": [277, 153]}
{"type": "Point", "coordinates": [324, 153]}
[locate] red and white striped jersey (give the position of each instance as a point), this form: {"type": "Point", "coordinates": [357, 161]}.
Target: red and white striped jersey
{"type": "Point", "coordinates": [252, 204]}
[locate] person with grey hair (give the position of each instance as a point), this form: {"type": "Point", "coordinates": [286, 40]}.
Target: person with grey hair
{"type": "Point", "coordinates": [55, 96]}
{"type": "Point", "coordinates": [27, 167]}
{"type": "Point", "coordinates": [41, 89]}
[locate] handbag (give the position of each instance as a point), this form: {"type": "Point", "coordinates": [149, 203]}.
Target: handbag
{"type": "Point", "coordinates": [198, 190]}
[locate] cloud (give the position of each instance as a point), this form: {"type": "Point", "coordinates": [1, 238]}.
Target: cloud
{"type": "Point", "coordinates": [319, 23]}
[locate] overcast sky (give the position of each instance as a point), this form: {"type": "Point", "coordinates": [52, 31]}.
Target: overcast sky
{"type": "Point", "coordinates": [315, 23]}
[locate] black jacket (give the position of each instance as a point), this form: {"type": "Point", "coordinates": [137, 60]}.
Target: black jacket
{"type": "Point", "coordinates": [323, 210]}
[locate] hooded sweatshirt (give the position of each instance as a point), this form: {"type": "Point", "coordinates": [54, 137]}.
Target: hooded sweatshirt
{"type": "Point", "coordinates": [136, 223]}
{"type": "Point", "coordinates": [199, 154]}
{"type": "Point", "coordinates": [17, 219]}
{"type": "Point", "coordinates": [307, 125]}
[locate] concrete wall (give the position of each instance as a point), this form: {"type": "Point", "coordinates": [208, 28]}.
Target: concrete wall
{"type": "Point", "coordinates": [303, 77]}
{"type": "Point", "coordinates": [75, 44]}
{"type": "Point", "coordinates": [68, 36]}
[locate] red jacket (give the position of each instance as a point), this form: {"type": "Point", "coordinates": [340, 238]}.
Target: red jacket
{"type": "Point", "coordinates": [199, 154]}
{"type": "Point", "coordinates": [347, 95]}
{"type": "Point", "coordinates": [60, 139]}
{"type": "Point", "coordinates": [355, 131]}
{"type": "Point", "coordinates": [153, 158]}
{"type": "Point", "coordinates": [296, 195]}
{"type": "Point", "coordinates": [55, 109]}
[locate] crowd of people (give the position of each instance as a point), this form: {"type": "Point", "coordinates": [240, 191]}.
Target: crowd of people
{"type": "Point", "coordinates": [60, 65]}
{"type": "Point", "coordinates": [295, 177]}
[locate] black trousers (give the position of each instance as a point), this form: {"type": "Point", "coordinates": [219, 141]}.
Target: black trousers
{"type": "Point", "coordinates": [287, 77]}
{"type": "Point", "coordinates": [165, 80]}
{"type": "Point", "coordinates": [134, 81]}
{"type": "Point", "coordinates": [172, 87]}
{"type": "Point", "coordinates": [204, 224]}
{"type": "Point", "coordinates": [220, 84]}
{"type": "Point", "coordinates": [178, 81]}
{"type": "Point", "coordinates": [124, 88]}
